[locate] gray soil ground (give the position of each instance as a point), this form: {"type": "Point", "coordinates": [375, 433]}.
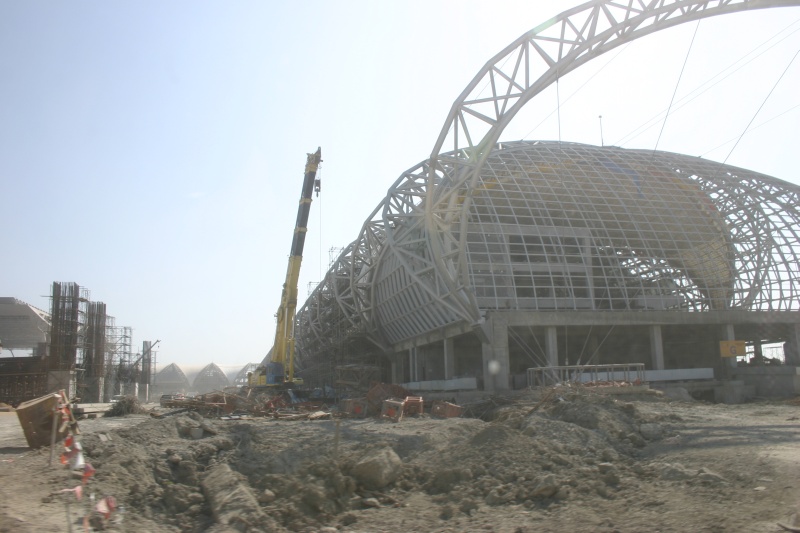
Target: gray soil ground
{"type": "Point", "coordinates": [577, 460]}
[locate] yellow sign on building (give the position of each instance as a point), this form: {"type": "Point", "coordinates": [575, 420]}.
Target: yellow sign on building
{"type": "Point", "coordinates": [732, 348]}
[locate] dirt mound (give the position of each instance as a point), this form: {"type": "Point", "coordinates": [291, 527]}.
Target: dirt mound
{"type": "Point", "coordinates": [577, 461]}
{"type": "Point", "coordinates": [526, 457]}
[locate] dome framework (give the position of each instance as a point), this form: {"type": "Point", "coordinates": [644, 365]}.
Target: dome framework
{"type": "Point", "coordinates": [488, 228]}
{"type": "Point", "coordinates": [557, 227]}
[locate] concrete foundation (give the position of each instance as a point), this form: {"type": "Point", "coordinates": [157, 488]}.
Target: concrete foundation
{"type": "Point", "coordinates": [770, 381]}
{"type": "Point", "coordinates": [732, 392]}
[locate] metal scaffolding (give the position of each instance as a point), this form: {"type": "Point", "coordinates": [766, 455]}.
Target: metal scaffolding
{"type": "Point", "coordinates": [68, 310]}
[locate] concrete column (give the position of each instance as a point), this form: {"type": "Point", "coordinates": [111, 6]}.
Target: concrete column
{"type": "Point", "coordinates": [758, 352]}
{"type": "Point", "coordinates": [496, 366]}
{"type": "Point", "coordinates": [423, 363]}
{"type": "Point", "coordinates": [413, 368]}
{"type": "Point", "coordinates": [656, 348]}
{"type": "Point", "coordinates": [729, 334]}
{"type": "Point", "coordinates": [487, 354]}
{"type": "Point", "coordinates": [393, 370]}
{"type": "Point", "coordinates": [400, 368]}
{"type": "Point", "coordinates": [551, 345]}
{"type": "Point", "coordinates": [791, 348]}
{"type": "Point", "coordinates": [449, 359]}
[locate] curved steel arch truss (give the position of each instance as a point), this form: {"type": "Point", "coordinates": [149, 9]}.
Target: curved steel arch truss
{"type": "Point", "coordinates": [420, 228]}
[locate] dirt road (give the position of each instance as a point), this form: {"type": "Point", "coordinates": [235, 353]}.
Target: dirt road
{"type": "Point", "coordinates": [581, 461]}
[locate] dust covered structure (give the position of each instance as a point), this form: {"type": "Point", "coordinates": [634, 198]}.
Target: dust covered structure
{"type": "Point", "coordinates": [574, 254]}
{"type": "Point", "coordinates": [170, 380]}
{"type": "Point", "coordinates": [241, 377]}
{"type": "Point", "coordinates": [23, 327]}
{"type": "Point", "coordinates": [211, 378]}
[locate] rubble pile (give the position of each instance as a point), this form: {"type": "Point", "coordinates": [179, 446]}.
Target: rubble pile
{"type": "Point", "coordinates": [248, 403]}
{"type": "Point", "coordinates": [570, 456]}
{"type": "Point", "coordinates": [127, 405]}
{"type": "Point", "coordinates": [190, 473]}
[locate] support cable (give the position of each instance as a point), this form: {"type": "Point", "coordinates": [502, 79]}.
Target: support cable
{"type": "Point", "coordinates": [779, 115]}
{"type": "Point", "coordinates": [576, 91]}
{"type": "Point", "coordinates": [760, 107]}
{"type": "Point", "coordinates": [542, 350]}
{"type": "Point", "coordinates": [585, 342]}
{"type": "Point", "coordinates": [669, 108]}
{"type": "Point", "coordinates": [558, 109]}
{"type": "Point", "coordinates": [591, 358]}
{"type": "Point", "coordinates": [583, 349]}
{"type": "Point", "coordinates": [525, 348]}
{"type": "Point", "coordinates": [708, 84]}
{"type": "Point", "coordinates": [532, 355]}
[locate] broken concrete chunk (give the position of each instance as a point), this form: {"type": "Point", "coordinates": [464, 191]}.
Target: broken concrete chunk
{"type": "Point", "coordinates": [267, 496]}
{"type": "Point", "coordinates": [546, 487]}
{"type": "Point", "coordinates": [371, 502]}
{"type": "Point", "coordinates": [209, 428]}
{"type": "Point", "coordinates": [606, 468]}
{"type": "Point", "coordinates": [232, 502]}
{"type": "Point", "coordinates": [707, 476]}
{"type": "Point", "coordinates": [377, 469]}
{"type": "Point", "coordinates": [185, 425]}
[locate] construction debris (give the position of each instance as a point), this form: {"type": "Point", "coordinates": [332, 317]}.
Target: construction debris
{"type": "Point", "coordinates": [384, 401]}
{"type": "Point", "coordinates": [444, 409]}
{"type": "Point", "coordinates": [354, 407]}
{"type": "Point", "coordinates": [392, 409]}
{"type": "Point", "coordinates": [564, 459]}
{"type": "Point", "coordinates": [46, 420]}
{"type": "Point", "coordinates": [383, 391]}
{"type": "Point", "coordinates": [413, 406]}
{"type": "Point", "coordinates": [126, 405]}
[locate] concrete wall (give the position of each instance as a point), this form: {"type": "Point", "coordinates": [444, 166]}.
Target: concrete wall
{"type": "Point", "coordinates": [770, 381]}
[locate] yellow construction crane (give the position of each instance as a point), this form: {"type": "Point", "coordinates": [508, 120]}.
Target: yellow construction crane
{"type": "Point", "coordinates": [280, 369]}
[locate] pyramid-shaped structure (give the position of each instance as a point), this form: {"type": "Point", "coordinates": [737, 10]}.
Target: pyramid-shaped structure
{"type": "Point", "coordinates": [210, 378]}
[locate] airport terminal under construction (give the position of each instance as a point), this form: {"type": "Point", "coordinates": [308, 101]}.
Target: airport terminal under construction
{"type": "Point", "coordinates": [497, 265]}
{"type": "Point", "coordinates": [570, 255]}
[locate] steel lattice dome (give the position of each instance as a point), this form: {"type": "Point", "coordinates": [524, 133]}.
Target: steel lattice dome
{"type": "Point", "coordinates": [554, 226]}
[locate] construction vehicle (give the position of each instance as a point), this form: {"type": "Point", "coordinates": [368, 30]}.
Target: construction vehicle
{"type": "Point", "coordinates": [279, 371]}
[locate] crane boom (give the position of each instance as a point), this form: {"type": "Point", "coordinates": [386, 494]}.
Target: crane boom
{"type": "Point", "coordinates": [281, 366]}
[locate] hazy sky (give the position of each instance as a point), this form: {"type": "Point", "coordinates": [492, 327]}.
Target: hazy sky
{"type": "Point", "coordinates": [153, 152]}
